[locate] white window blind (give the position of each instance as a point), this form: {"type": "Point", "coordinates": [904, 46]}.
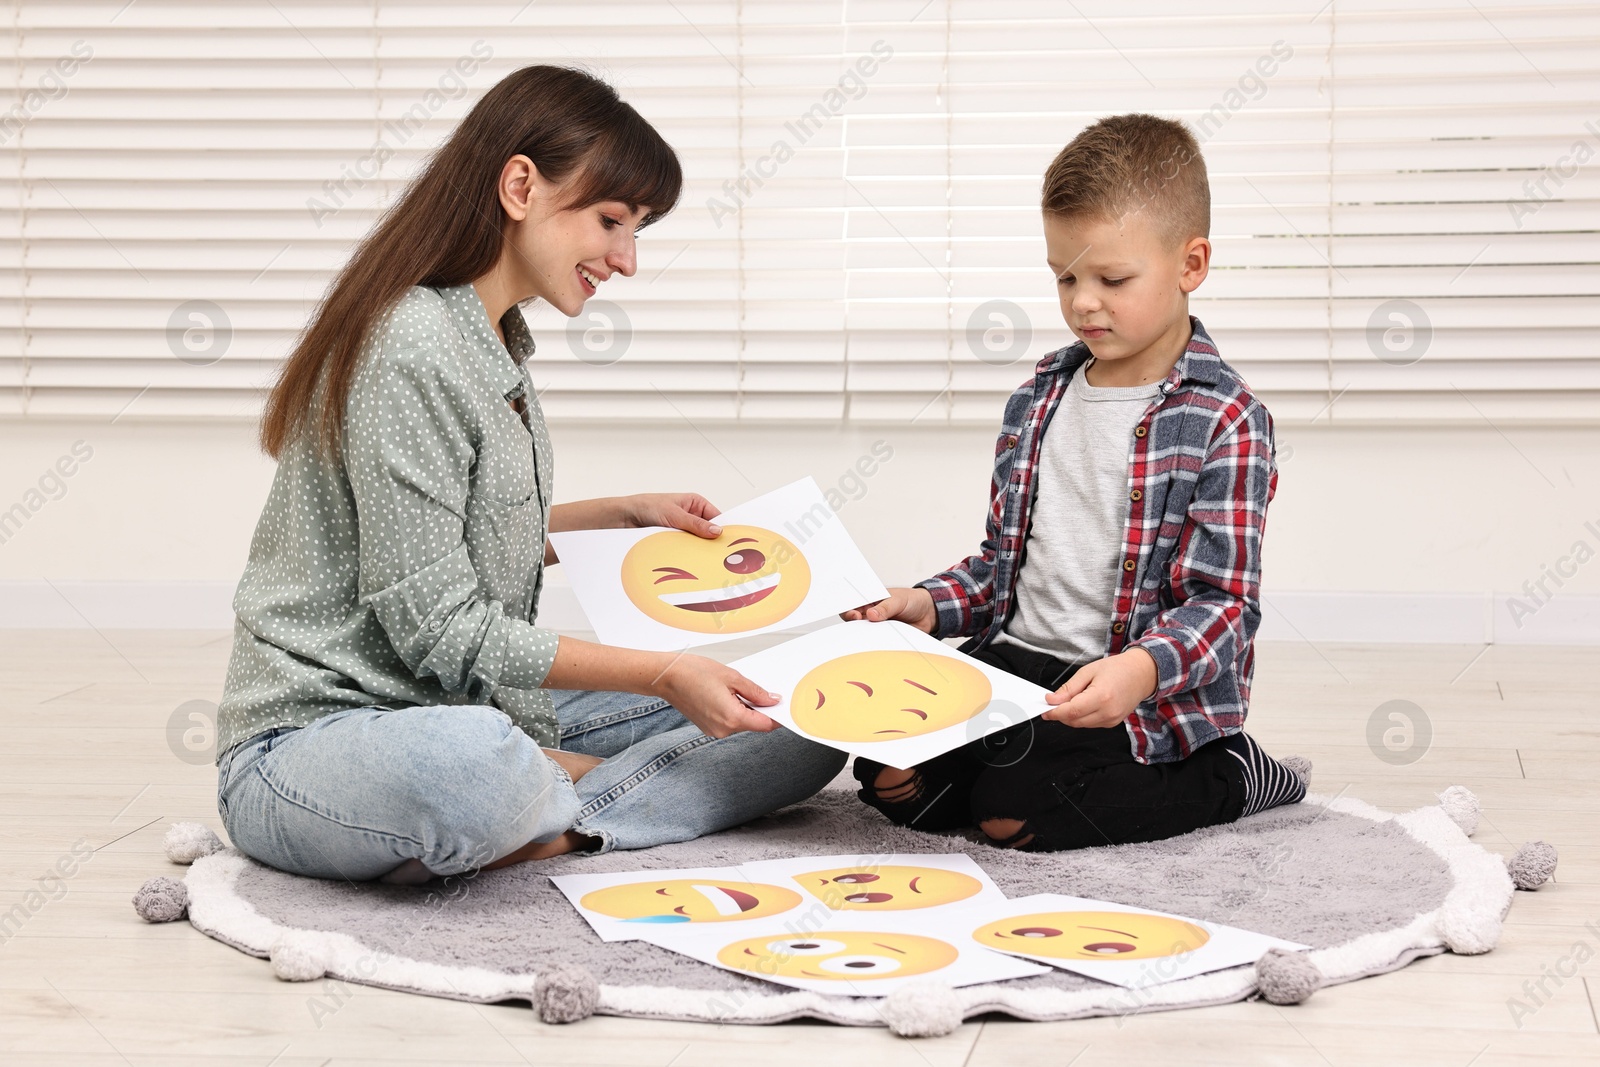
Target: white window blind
{"type": "Point", "coordinates": [1405, 219]}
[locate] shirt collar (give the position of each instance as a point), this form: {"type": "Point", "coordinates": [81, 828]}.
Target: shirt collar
{"type": "Point", "coordinates": [500, 363]}
{"type": "Point", "coordinates": [1200, 361]}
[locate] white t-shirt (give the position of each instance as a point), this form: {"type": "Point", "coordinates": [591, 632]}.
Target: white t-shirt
{"type": "Point", "coordinates": [1072, 559]}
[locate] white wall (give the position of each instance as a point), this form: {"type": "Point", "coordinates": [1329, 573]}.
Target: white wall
{"type": "Point", "coordinates": [1425, 524]}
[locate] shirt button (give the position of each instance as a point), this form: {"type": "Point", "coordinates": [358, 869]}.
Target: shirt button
{"type": "Point", "coordinates": [1140, 431]}
{"type": "Point", "coordinates": [1117, 627]}
{"type": "Point", "coordinates": [1136, 495]}
{"type": "Point", "coordinates": [1011, 441]}
{"type": "Point", "coordinates": [1128, 564]}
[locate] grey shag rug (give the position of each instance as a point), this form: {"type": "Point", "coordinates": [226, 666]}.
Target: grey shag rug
{"type": "Point", "coordinates": [1368, 890]}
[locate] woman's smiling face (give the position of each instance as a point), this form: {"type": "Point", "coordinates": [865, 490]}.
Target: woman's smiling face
{"type": "Point", "coordinates": [561, 254]}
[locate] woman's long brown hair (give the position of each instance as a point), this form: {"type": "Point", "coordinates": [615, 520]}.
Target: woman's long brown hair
{"type": "Point", "coordinates": [447, 227]}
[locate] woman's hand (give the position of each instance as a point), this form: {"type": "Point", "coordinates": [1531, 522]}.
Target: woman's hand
{"type": "Point", "coordinates": [708, 694]}
{"type": "Point", "coordinates": [914, 607]}
{"type": "Point", "coordinates": [714, 697]}
{"type": "Point", "coordinates": [679, 511]}
{"type": "Point", "coordinates": [1104, 693]}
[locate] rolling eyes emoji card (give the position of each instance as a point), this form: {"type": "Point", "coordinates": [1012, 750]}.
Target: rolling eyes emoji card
{"type": "Point", "coordinates": [782, 560]}
{"type": "Point", "coordinates": [1126, 946]}
{"type": "Point", "coordinates": [889, 692]}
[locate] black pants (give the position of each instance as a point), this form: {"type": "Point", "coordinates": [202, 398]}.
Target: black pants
{"type": "Point", "coordinates": [1071, 787]}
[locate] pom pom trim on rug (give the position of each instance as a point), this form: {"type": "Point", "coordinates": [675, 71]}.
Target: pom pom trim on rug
{"type": "Point", "coordinates": [186, 842]}
{"type": "Point", "coordinates": [924, 1009]}
{"type": "Point", "coordinates": [1287, 977]}
{"type": "Point", "coordinates": [1532, 865]}
{"type": "Point", "coordinates": [161, 900]}
{"type": "Point", "coordinates": [299, 956]}
{"type": "Point", "coordinates": [1461, 804]}
{"type": "Point", "coordinates": [1468, 920]}
{"type": "Point", "coordinates": [566, 993]}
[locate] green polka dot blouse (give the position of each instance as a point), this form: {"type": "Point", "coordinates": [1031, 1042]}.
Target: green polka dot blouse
{"type": "Point", "coordinates": [409, 573]}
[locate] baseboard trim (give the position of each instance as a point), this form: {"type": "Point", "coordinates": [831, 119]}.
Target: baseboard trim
{"type": "Point", "coordinates": [1335, 617]}
{"type": "Point", "coordinates": [1430, 618]}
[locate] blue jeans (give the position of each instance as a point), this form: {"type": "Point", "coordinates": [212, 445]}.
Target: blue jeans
{"type": "Point", "coordinates": [360, 792]}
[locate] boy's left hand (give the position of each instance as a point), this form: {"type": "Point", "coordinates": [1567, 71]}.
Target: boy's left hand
{"type": "Point", "coordinates": [1105, 692]}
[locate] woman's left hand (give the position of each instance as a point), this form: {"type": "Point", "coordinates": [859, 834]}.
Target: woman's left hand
{"type": "Point", "coordinates": [680, 511]}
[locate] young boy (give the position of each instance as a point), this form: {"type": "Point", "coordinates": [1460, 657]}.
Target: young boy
{"type": "Point", "coordinates": [1122, 563]}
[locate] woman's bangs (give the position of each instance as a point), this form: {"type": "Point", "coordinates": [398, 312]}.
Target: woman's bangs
{"type": "Point", "coordinates": [633, 164]}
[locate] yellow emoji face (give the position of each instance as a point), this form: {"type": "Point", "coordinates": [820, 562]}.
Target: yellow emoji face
{"type": "Point", "coordinates": [839, 956]}
{"type": "Point", "coordinates": [743, 579]}
{"type": "Point", "coordinates": [888, 888]}
{"type": "Point", "coordinates": [689, 900]}
{"type": "Point", "coordinates": [1093, 935]}
{"type": "Point", "coordinates": [881, 696]}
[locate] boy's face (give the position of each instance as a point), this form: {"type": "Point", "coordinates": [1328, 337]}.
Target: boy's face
{"type": "Point", "coordinates": [1125, 289]}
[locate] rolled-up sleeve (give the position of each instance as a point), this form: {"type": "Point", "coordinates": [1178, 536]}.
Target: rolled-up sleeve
{"type": "Point", "coordinates": [409, 457]}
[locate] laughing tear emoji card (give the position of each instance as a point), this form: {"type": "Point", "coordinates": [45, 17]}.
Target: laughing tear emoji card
{"type": "Point", "coordinates": [620, 907]}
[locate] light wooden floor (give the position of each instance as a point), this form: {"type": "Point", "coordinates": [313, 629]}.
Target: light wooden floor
{"type": "Point", "coordinates": [85, 756]}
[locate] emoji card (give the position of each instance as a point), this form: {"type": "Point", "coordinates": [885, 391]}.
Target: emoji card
{"type": "Point", "coordinates": [890, 692]}
{"type": "Point", "coordinates": [859, 885]}
{"type": "Point", "coordinates": [782, 560]}
{"type": "Point", "coordinates": [621, 906]}
{"type": "Point", "coordinates": [1129, 947]}
{"type": "Point", "coordinates": [857, 957]}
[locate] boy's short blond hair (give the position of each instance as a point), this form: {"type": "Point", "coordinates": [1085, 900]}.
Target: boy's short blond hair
{"type": "Point", "coordinates": [1131, 164]}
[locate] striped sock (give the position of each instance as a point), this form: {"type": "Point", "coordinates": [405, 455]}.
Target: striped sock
{"type": "Point", "coordinates": [1267, 783]}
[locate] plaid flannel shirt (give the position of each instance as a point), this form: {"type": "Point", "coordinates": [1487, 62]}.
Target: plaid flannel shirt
{"type": "Point", "coordinates": [1201, 472]}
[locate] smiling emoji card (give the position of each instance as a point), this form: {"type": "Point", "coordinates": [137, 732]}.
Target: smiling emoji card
{"type": "Point", "coordinates": [781, 561]}
{"type": "Point", "coordinates": [1115, 943]}
{"type": "Point", "coordinates": [889, 692]}
{"type": "Point", "coordinates": [747, 578]}
{"type": "Point", "coordinates": [620, 906]}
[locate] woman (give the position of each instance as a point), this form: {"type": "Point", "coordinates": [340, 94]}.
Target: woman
{"type": "Point", "coordinates": [391, 710]}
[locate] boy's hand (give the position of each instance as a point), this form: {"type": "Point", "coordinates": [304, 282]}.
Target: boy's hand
{"type": "Point", "coordinates": [914, 607]}
{"type": "Point", "coordinates": [1105, 692]}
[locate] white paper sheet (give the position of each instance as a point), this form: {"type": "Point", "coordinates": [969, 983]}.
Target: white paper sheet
{"type": "Point", "coordinates": [888, 691]}
{"type": "Point", "coordinates": [620, 906]}
{"type": "Point", "coordinates": [783, 560]}
{"type": "Point", "coordinates": [1126, 946]}
{"type": "Point", "coordinates": [843, 954]}
{"type": "Point", "coordinates": [861, 885]}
